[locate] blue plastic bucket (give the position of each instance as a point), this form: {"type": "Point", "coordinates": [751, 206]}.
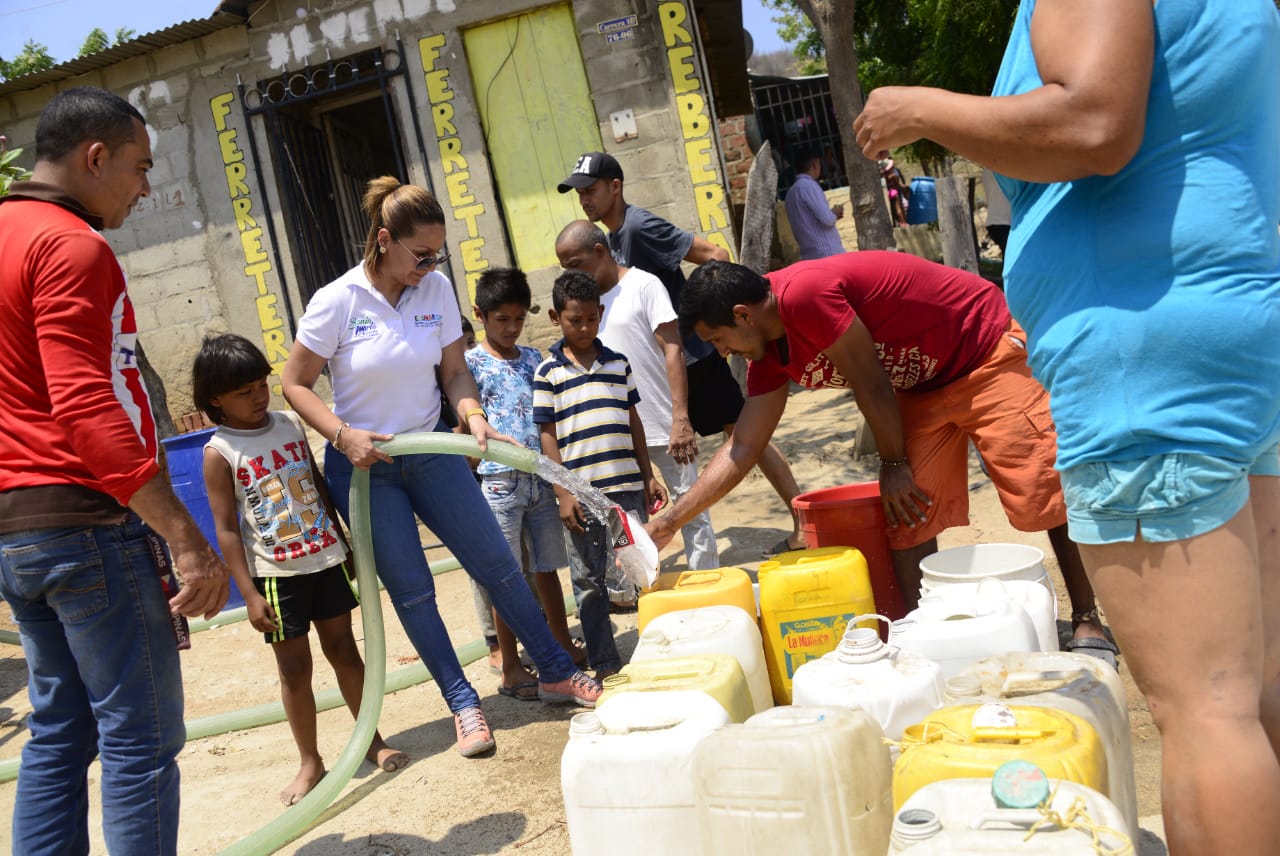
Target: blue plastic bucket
{"type": "Point", "coordinates": [924, 201]}
{"type": "Point", "coordinates": [185, 453]}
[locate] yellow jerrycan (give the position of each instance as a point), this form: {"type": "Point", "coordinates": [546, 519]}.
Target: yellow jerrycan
{"type": "Point", "coordinates": [678, 590]}
{"type": "Point", "coordinates": [974, 740]}
{"type": "Point", "coordinates": [718, 675]}
{"type": "Point", "coordinates": [807, 598]}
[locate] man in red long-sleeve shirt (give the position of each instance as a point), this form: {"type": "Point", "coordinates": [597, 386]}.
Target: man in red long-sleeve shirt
{"type": "Point", "coordinates": [82, 497]}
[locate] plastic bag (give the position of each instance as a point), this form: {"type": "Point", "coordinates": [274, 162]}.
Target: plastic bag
{"type": "Point", "coordinates": [634, 552]}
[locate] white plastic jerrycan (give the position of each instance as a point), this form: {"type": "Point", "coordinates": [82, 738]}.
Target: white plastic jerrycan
{"type": "Point", "coordinates": [1031, 596]}
{"type": "Point", "coordinates": [898, 688]}
{"type": "Point", "coordinates": [627, 773]}
{"type": "Point", "coordinates": [795, 780]}
{"type": "Point", "coordinates": [1040, 816]}
{"type": "Point", "coordinates": [956, 631]}
{"type": "Point", "coordinates": [1075, 683]}
{"type": "Point", "coordinates": [710, 630]}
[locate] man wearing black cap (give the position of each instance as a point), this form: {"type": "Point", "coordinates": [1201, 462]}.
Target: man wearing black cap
{"type": "Point", "coordinates": [640, 239]}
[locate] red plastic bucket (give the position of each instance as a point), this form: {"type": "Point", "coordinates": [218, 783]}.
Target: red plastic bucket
{"type": "Point", "coordinates": [851, 516]}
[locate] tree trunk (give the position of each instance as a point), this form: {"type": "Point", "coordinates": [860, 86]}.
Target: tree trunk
{"type": "Point", "coordinates": [955, 220]}
{"type": "Point", "coordinates": [834, 22]}
{"type": "Point", "coordinates": [157, 395]}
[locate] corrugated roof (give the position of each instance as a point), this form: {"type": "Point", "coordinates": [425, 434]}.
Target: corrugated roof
{"type": "Point", "coordinates": [227, 14]}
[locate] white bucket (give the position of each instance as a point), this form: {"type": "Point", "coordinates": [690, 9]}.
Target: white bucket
{"type": "Point", "coordinates": [960, 630]}
{"type": "Point", "coordinates": [960, 816]}
{"type": "Point", "coordinates": [972, 562]}
{"type": "Point", "coordinates": [794, 780]}
{"type": "Point", "coordinates": [710, 630]}
{"type": "Point", "coordinates": [1074, 683]}
{"type": "Point", "coordinates": [898, 688]}
{"type": "Point", "coordinates": [627, 773]}
{"type": "Point", "coordinates": [1032, 597]}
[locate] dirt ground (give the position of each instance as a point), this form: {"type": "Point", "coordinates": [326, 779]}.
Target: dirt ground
{"type": "Point", "coordinates": [509, 802]}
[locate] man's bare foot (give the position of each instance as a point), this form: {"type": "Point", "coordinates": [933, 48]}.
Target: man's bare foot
{"type": "Point", "coordinates": [309, 775]}
{"type": "Point", "coordinates": [388, 760]}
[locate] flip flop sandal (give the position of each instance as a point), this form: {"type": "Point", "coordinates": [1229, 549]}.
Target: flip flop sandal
{"type": "Point", "coordinates": [515, 692]}
{"type": "Point", "coordinates": [1103, 649]}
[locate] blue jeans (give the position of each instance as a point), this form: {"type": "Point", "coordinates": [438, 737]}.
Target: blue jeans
{"type": "Point", "coordinates": [527, 513]}
{"type": "Point", "coordinates": [590, 561]}
{"type": "Point", "coordinates": [103, 679]}
{"type": "Point", "coordinates": [441, 491]}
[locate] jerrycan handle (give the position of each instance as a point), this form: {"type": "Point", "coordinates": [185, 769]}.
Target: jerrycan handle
{"type": "Point", "coordinates": [699, 578]}
{"type": "Point", "coordinates": [1026, 683]}
{"type": "Point", "coordinates": [1025, 817]}
{"type": "Point", "coordinates": [1005, 735]}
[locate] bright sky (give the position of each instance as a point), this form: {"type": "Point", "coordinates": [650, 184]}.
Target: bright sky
{"type": "Point", "coordinates": [63, 25]}
{"type": "Point", "coordinates": [755, 18]}
{"type": "Point", "coordinates": [46, 21]}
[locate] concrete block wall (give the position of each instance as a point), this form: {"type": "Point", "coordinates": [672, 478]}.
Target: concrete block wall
{"type": "Point", "coordinates": [197, 251]}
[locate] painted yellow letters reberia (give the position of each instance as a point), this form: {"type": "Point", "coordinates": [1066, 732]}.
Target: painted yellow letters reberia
{"type": "Point", "coordinates": [695, 124]}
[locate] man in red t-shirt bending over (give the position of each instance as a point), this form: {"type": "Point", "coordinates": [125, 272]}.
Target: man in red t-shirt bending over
{"type": "Point", "coordinates": [933, 358]}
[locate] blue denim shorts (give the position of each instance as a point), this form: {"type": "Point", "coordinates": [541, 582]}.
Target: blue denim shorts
{"type": "Point", "coordinates": [525, 506]}
{"type": "Point", "coordinates": [1167, 497]}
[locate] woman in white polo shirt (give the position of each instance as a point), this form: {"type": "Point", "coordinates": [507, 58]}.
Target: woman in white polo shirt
{"type": "Point", "coordinates": [382, 328]}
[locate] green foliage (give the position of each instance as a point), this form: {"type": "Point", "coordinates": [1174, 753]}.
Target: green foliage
{"type": "Point", "coordinates": [795, 28]}
{"type": "Point", "coordinates": [950, 44]}
{"type": "Point", "coordinates": [9, 169]}
{"type": "Point", "coordinates": [97, 40]}
{"type": "Point", "coordinates": [33, 57]}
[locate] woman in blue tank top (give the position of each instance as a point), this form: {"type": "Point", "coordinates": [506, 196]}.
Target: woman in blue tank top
{"type": "Point", "coordinates": [1139, 145]}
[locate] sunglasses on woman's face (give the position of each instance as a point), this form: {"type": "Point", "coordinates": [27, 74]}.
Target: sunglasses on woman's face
{"type": "Point", "coordinates": [425, 262]}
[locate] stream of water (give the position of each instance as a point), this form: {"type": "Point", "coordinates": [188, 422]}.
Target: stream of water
{"type": "Point", "coordinates": [635, 558]}
{"type": "Point", "coordinates": [591, 498]}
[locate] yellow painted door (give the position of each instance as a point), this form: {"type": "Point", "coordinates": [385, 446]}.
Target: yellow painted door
{"type": "Point", "coordinates": [537, 114]}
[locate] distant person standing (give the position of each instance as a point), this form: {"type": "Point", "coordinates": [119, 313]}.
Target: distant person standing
{"type": "Point", "coordinates": [83, 500]}
{"type": "Point", "coordinates": [999, 213]}
{"type": "Point", "coordinates": [812, 220]}
{"type": "Point", "coordinates": [896, 187]}
{"type": "Point", "coordinates": [640, 239]}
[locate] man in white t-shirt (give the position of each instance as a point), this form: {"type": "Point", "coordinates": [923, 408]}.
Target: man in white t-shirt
{"type": "Point", "coordinates": [639, 321]}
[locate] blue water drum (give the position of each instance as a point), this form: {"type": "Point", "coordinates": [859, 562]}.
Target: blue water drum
{"type": "Point", "coordinates": [185, 453]}
{"type": "Point", "coordinates": [924, 201]}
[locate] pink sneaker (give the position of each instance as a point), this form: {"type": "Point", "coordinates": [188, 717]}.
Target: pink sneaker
{"type": "Point", "coordinates": [579, 688]}
{"type": "Point", "coordinates": [474, 736]}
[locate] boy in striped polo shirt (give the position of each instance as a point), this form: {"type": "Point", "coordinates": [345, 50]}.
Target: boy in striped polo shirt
{"type": "Point", "coordinates": [584, 402]}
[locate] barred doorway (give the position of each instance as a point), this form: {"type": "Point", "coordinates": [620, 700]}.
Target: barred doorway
{"type": "Point", "coordinates": [330, 129]}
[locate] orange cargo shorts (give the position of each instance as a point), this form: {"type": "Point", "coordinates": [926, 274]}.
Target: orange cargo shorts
{"type": "Point", "coordinates": [1005, 411]}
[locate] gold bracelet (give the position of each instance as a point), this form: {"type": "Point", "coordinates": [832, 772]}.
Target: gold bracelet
{"type": "Point", "coordinates": [338, 433]}
{"type": "Point", "coordinates": [473, 411]}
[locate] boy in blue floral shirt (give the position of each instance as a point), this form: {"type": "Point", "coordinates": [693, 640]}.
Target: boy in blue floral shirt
{"type": "Point", "coordinates": [524, 505]}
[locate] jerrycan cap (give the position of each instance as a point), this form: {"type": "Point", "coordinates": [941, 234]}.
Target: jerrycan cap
{"type": "Point", "coordinates": [861, 644]}
{"type": "Point", "coordinates": [962, 687]}
{"type": "Point", "coordinates": [1019, 784]}
{"type": "Point", "coordinates": [614, 681]}
{"type": "Point", "coordinates": [915, 825]}
{"type": "Point", "coordinates": [584, 724]}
